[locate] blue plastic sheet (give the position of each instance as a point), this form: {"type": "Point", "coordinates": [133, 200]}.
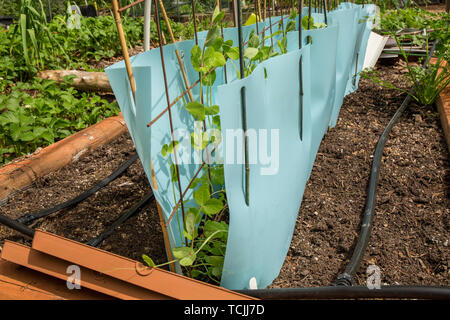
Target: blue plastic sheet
{"type": "Point", "coordinates": [260, 233]}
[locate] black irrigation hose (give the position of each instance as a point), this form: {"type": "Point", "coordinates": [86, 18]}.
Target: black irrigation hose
{"type": "Point", "coordinates": [13, 224]}
{"type": "Point", "coordinates": [356, 292]}
{"type": "Point", "coordinates": [347, 277]}
{"type": "Point", "coordinates": [28, 218]}
{"type": "Point", "coordinates": [21, 223]}
{"type": "Point", "coordinates": [137, 207]}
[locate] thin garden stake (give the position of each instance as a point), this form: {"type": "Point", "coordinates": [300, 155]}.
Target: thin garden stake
{"type": "Point", "coordinates": [356, 69]}
{"type": "Point", "coordinates": [161, 221]}
{"type": "Point", "coordinates": [123, 44]}
{"type": "Point", "coordinates": [270, 24]}
{"type": "Point", "coordinates": [243, 103]}
{"type": "Point", "coordinates": [169, 110]}
{"type": "Point", "coordinates": [300, 10]}
{"type": "Point", "coordinates": [195, 21]}
{"type": "Point", "coordinates": [180, 61]}
{"type": "Point", "coordinates": [309, 20]}
{"type": "Point", "coordinates": [282, 22]}
{"type": "Point", "coordinates": [258, 15]}
{"type": "Point", "coordinates": [130, 5]}
{"type": "Point", "coordinates": [221, 30]}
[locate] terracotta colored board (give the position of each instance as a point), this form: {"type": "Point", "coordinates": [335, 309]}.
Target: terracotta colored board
{"type": "Point", "coordinates": [90, 279]}
{"type": "Point", "coordinates": [155, 279]}
{"type": "Point", "coordinates": [20, 283]}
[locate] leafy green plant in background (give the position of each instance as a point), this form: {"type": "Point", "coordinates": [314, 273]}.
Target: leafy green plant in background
{"type": "Point", "coordinates": [429, 82]}
{"type": "Point", "coordinates": [32, 26]}
{"type": "Point", "coordinates": [41, 112]}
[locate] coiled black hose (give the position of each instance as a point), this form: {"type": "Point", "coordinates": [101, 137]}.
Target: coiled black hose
{"type": "Point", "coordinates": [347, 277]}
{"type": "Point", "coordinates": [355, 292]}
{"type": "Point", "coordinates": [13, 224]}
{"type": "Point", "coordinates": [21, 223]}
{"type": "Point", "coordinates": [28, 218]}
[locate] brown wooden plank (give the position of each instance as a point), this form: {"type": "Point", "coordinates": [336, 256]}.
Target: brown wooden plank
{"type": "Point", "coordinates": [155, 279]}
{"type": "Point", "coordinates": [20, 283]}
{"type": "Point", "coordinates": [90, 279]}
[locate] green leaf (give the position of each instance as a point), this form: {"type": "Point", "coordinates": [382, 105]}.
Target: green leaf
{"type": "Point", "coordinates": [212, 35]}
{"type": "Point", "coordinates": [319, 25]}
{"type": "Point", "coordinates": [27, 136]}
{"type": "Point", "coordinates": [196, 273]}
{"type": "Point", "coordinates": [196, 57]}
{"type": "Point", "coordinates": [227, 45]}
{"type": "Point", "coordinates": [186, 255]}
{"type": "Point", "coordinates": [209, 79]}
{"type": "Point", "coordinates": [217, 44]}
{"type": "Point", "coordinates": [170, 146]}
{"type": "Point", "coordinates": [217, 175]}
{"type": "Point", "coordinates": [217, 15]}
{"type": "Point", "coordinates": [251, 20]}
{"type": "Point", "coordinates": [253, 42]}
{"type": "Point", "coordinates": [233, 53]}
{"type": "Point", "coordinates": [305, 22]}
{"type": "Point", "coordinates": [250, 53]}
{"type": "Point", "coordinates": [213, 110]}
{"type": "Point", "coordinates": [212, 206]}
{"type": "Point", "coordinates": [219, 59]}
{"type": "Point", "coordinates": [208, 59]}
{"type": "Point", "coordinates": [164, 150]}
{"type": "Point", "coordinates": [212, 226]}
{"type": "Point", "coordinates": [293, 15]}
{"type": "Point", "coordinates": [196, 109]}
{"type": "Point", "coordinates": [215, 260]}
{"type": "Point", "coordinates": [173, 172]}
{"type": "Point", "coordinates": [191, 218]}
{"type": "Point", "coordinates": [8, 117]}
{"type": "Point", "coordinates": [202, 194]}
{"type": "Point", "coordinates": [216, 121]}
{"type": "Point", "coordinates": [199, 140]}
{"type": "Point", "coordinates": [148, 260]}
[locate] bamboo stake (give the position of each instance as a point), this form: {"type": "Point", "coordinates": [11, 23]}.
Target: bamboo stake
{"type": "Point", "coordinates": [161, 221]}
{"type": "Point", "coordinates": [180, 62]}
{"type": "Point", "coordinates": [221, 30]}
{"type": "Point", "coordinates": [123, 44]}
{"type": "Point", "coordinates": [169, 111]}
{"type": "Point", "coordinates": [265, 10]}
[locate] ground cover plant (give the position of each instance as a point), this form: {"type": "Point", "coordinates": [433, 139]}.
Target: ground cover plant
{"type": "Point", "coordinates": [430, 81]}
{"type": "Point", "coordinates": [40, 112]}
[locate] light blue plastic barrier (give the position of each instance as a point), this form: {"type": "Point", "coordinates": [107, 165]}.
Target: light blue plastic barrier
{"type": "Point", "coordinates": [259, 234]}
{"type": "Point", "coordinates": [365, 25]}
{"type": "Point", "coordinates": [323, 79]}
{"type": "Point", "coordinates": [347, 20]}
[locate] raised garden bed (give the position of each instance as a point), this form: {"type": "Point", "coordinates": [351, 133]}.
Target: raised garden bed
{"type": "Point", "coordinates": [409, 241]}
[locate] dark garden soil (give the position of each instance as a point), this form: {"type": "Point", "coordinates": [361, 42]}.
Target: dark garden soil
{"type": "Point", "coordinates": [140, 234]}
{"type": "Point", "coordinates": [409, 241]}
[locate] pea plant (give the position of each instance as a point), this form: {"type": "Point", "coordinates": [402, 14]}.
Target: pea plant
{"type": "Point", "coordinates": [205, 224]}
{"type": "Point", "coordinates": [429, 82]}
